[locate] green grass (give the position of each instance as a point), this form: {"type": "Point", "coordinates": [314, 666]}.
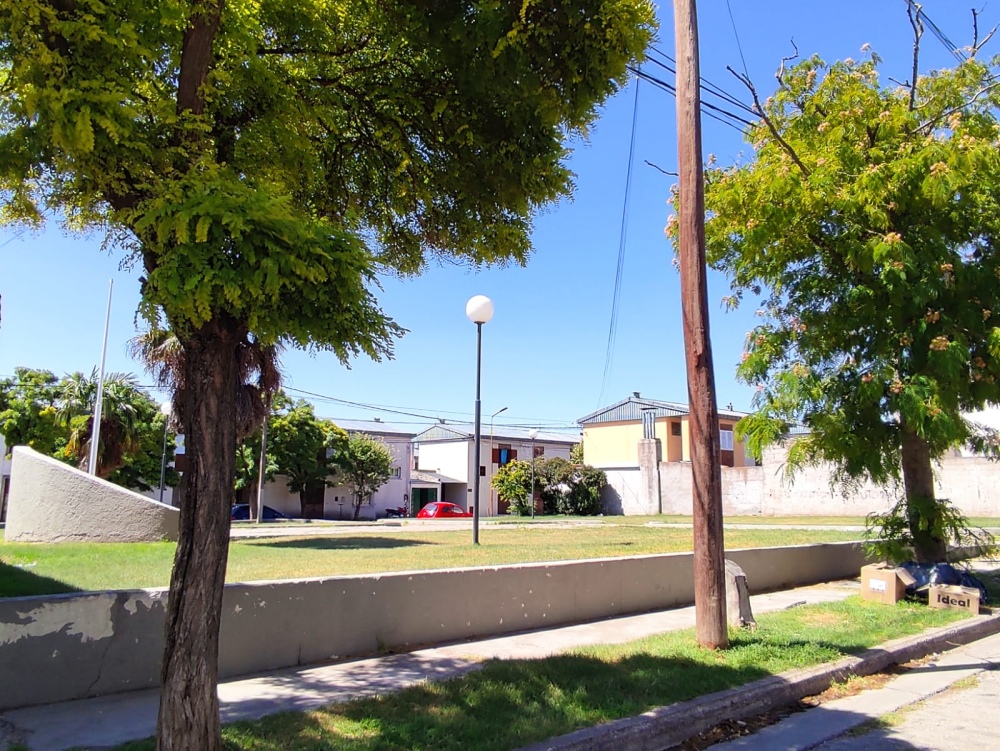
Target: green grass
{"type": "Point", "coordinates": [515, 702]}
{"type": "Point", "coordinates": [27, 569]}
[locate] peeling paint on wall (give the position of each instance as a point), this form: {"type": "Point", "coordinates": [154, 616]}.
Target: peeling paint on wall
{"type": "Point", "coordinates": [87, 616]}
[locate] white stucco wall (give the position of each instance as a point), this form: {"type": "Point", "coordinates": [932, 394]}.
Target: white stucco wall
{"type": "Point", "coordinates": [53, 502]}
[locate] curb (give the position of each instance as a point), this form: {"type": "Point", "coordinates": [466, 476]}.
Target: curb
{"type": "Point", "coordinates": [667, 726]}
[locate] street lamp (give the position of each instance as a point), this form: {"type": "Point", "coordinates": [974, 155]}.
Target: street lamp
{"type": "Point", "coordinates": [165, 411]}
{"type": "Point", "coordinates": [479, 310]}
{"type": "Point", "coordinates": [532, 434]}
{"type": "Point", "coordinates": [502, 409]}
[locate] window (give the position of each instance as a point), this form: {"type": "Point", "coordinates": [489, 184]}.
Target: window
{"type": "Point", "coordinates": [394, 473]}
{"type": "Point", "coordinates": [503, 454]}
{"type": "Point", "coordinates": [482, 470]}
{"type": "Point", "coordinates": [726, 440]}
{"type": "Point", "coordinates": [539, 451]}
{"type": "Point", "coordinates": [675, 429]}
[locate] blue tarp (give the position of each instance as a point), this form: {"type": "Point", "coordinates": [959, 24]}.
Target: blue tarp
{"type": "Point", "coordinates": [942, 573]}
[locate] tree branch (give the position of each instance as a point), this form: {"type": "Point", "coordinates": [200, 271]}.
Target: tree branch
{"type": "Point", "coordinates": [947, 113]}
{"type": "Point", "coordinates": [745, 80]}
{"type": "Point", "coordinates": [976, 44]}
{"type": "Point", "coordinates": [196, 57]}
{"type": "Point", "coordinates": [918, 31]}
{"type": "Point", "coordinates": [780, 75]}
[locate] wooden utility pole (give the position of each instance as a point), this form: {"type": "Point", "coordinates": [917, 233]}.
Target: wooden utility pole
{"type": "Point", "coordinates": [709, 551]}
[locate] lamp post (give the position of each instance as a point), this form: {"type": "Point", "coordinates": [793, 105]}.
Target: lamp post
{"type": "Point", "coordinates": [165, 411]}
{"type": "Point", "coordinates": [502, 409]}
{"type": "Point", "coordinates": [479, 310]}
{"type": "Point", "coordinates": [532, 434]}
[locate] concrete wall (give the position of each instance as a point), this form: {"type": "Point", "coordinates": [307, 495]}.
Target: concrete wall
{"type": "Point", "coordinates": [971, 483]}
{"type": "Point", "coordinates": [52, 502]}
{"type": "Point", "coordinates": [57, 648]}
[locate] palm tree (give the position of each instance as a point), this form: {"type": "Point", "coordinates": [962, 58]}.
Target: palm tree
{"type": "Point", "coordinates": [162, 354]}
{"type": "Point", "coordinates": [120, 419]}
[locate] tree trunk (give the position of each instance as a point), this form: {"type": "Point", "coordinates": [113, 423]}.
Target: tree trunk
{"type": "Point", "coordinates": [189, 704]}
{"type": "Point", "coordinates": [918, 483]}
{"type": "Point", "coordinates": [357, 506]}
{"type": "Point", "coordinates": [302, 502]}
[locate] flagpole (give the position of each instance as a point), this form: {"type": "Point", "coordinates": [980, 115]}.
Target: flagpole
{"type": "Point", "coordinates": [95, 432]}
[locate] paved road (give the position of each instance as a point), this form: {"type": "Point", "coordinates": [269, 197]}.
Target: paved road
{"type": "Point", "coordinates": [962, 718]}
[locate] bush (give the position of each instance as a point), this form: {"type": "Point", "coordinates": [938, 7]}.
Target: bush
{"type": "Point", "coordinates": [890, 536]}
{"type": "Point", "coordinates": [512, 482]}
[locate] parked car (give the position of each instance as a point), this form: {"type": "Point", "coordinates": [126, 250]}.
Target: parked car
{"type": "Point", "coordinates": [440, 510]}
{"type": "Point", "coordinates": [241, 511]}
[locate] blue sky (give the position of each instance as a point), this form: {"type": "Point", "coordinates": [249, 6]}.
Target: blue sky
{"type": "Point", "coordinates": [544, 351]}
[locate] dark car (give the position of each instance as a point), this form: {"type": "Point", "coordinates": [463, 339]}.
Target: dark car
{"type": "Point", "coordinates": [440, 510]}
{"type": "Point", "coordinates": [241, 511]}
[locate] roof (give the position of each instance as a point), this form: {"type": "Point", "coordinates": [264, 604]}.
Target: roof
{"type": "Point", "coordinates": [463, 431]}
{"type": "Point", "coordinates": [430, 477]}
{"type": "Point", "coordinates": [372, 427]}
{"type": "Point", "coordinates": [631, 409]}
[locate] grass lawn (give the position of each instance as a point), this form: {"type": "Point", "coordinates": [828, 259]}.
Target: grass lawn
{"type": "Point", "coordinates": [511, 703]}
{"type": "Point", "coordinates": [65, 567]}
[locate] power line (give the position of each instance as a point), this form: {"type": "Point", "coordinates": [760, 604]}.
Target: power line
{"type": "Point", "coordinates": [708, 110]}
{"type": "Point", "coordinates": [623, 232]}
{"type": "Point", "coordinates": [737, 35]}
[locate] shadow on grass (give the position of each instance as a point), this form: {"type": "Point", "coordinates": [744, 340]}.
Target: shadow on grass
{"type": "Point", "coordinates": [17, 581]}
{"type": "Point", "coordinates": [340, 542]}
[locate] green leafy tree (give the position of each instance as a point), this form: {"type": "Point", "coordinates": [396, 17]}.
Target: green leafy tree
{"type": "Point", "coordinates": [868, 220]}
{"type": "Point", "coordinates": [576, 453]}
{"type": "Point", "coordinates": [512, 482]}
{"type": "Point", "coordinates": [304, 448]}
{"type": "Point", "coordinates": [253, 157]}
{"type": "Point", "coordinates": [364, 465]}
{"type": "Point", "coordinates": [29, 411]}
{"type": "Point", "coordinates": [569, 488]}
{"type": "Point", "coordinates": [121, 421]}
{"type": "Point", "coordinates": [141, 470]}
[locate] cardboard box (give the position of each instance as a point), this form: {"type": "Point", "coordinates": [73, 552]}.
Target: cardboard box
{"type": "Point", "coordinates": [882, 582]}
{"type": "Point", "coordinates": [953, 597]}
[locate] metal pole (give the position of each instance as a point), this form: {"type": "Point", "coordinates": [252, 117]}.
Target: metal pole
{"type": "Point", "coordinates": [531, 494]}
{"type": "Point", "coordinates": [163, 457]}
{"type": "Point", "coordinates": [709, 549]}
{"type": "Point", "coordinates": [263, 463]}
{"type": "Point", "coordinates": [476, 447]}
{"type": "Point", "coordinates": [95, 430]}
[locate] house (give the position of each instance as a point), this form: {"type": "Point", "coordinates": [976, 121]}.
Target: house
{"type": "Point", "coordinates": [612, 435]}
{"type": "Point", "coordinates": [445, 455]}
{"type": "Point", "coordinates": [338, 502]}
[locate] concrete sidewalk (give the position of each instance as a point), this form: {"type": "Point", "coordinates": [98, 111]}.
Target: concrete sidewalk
{"type": "Point", "coordinates": [111, 720]}
{"type": "Point", "coordinates": [832, 720]}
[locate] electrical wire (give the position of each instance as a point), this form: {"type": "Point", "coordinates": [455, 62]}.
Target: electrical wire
{"type": "Point", "coordinates": [623, 233]}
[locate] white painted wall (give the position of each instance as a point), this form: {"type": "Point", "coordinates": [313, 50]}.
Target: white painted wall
{"type": "Point", "coordinates": [450, 458]}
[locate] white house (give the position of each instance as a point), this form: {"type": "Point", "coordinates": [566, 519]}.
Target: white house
{"type": "Point", "coordinates": [445, 456]}
{"type": "Point", "coordinates": [337, 502]}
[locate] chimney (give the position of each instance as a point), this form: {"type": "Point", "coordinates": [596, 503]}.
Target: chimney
{"type": "Point", "coordinates": [378, 419]}
{"type": "Point", "coordinates": [635, 394]}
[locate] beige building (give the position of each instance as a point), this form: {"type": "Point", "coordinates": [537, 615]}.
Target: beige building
{"type": "Point", "coordinates": [612, 435]}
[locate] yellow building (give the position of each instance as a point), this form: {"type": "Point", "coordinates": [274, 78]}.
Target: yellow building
{"type": "Point", "coordinates": [611, 435]}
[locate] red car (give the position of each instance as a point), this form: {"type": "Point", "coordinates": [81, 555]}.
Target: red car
{"type": "Point", "coordinates": [439, 510]}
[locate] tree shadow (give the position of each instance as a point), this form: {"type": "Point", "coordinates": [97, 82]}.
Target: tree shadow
{"type": "Point", "coordinates": [19, 581]}
{"type": "Point", "coordinates": [340, 542]}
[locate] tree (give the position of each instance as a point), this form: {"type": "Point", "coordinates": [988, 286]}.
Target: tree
{"type": "Point", "coordinates": [141, 470]}
{"type": "Point", "coordinates": [364, 465]}
{"type": "Point", "coordinates": [869, 221]}
{"type": "Point", "coordinates": [304, 449]}
{"type": "Point", "coordinates": [120, 434]}
{"type": "Point", "coordinates": [576, 453]}
{"type": "Point", "coordinates": [257, 158]}
{"type": "Point", "coordinates": [568, 488]}
{"type": "Point", "coordinates": [29, 411]}
{"type": "Point", "coordinates": [512, 481]}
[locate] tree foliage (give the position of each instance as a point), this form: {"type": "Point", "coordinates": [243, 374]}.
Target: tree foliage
{"type": "Point", "coordinates": [569, 488]}
{"type": "Point", "coordinates": [364, 464]}
{"type": "Point", "coordinates": [512, 481]}
{"type": "Point", "coordinates": [29, 411]}
{"type": "Point", "coordinates": [869, 224]}
{"type": "Point", "coordinates": [304, 448]}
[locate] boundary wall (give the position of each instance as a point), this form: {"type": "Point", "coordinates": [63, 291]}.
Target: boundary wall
{"type": "Point", "coordinates": [63, 647]}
